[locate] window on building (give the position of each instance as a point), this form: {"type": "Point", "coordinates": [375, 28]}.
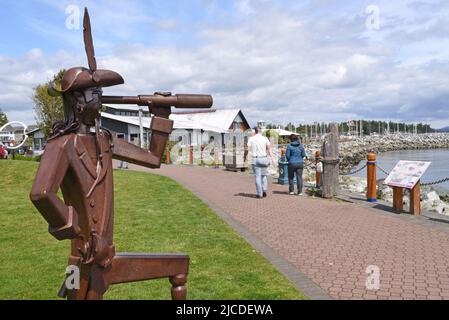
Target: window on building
{"type": "Point", "coordinates": [37, 144]}
{"type": "Point", "coordinates": [236, 125]}
{"type": "Point", "coordinates": [134, 137]}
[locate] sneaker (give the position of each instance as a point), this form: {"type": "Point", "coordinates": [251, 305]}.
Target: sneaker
{"type": "Point", "coordinates": [292, 193]}
{"type": "Point", "coordinates": [264, 194]}
{"type": "Point", "coordinates": [259, 197]}
{"type": "Point", "coordinates": [300, 194]}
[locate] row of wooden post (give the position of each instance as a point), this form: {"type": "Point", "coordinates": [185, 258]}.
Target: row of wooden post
{"type": "Point", "coordinates": [167, 155]}
{"type": "Point", "coordinates": [168, 160]}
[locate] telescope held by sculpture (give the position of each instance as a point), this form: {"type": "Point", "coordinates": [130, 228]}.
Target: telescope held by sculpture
{"type": "Point", "coordinates": [163, 99]}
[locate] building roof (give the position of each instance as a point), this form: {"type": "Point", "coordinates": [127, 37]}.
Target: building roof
{"type": "Point", "coordinates": [282, 132]}
{"type": "Point", "coordinates": [8, 128]}
{"type": "Point", "coordinates": [32, 131]}
{"type": "Point", "coordinates": [215, 120]}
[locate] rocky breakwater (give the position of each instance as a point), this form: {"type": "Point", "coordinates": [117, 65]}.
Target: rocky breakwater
{"type": "Point", "coordinates": [355, 150]}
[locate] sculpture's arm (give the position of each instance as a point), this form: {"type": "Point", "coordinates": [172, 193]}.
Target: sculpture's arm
{"type": "Point", "coordinates": [62, 219]}
{"type": "Point", "coordinates": [160, 130]}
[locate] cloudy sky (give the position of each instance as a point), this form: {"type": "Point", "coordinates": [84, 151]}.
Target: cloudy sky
{"type": "Point", "coordinates": [280, 61]}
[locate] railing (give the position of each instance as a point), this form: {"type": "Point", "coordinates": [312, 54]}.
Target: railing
{"type": "Point", "coordinates": [379, 168]}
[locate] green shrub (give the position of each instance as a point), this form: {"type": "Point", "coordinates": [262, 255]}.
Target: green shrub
{"type": "Point", "coordinates": [27, 158]}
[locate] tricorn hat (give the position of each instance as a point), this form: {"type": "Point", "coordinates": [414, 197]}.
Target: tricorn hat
{"type": "Point", "coordinates": [79, 78]}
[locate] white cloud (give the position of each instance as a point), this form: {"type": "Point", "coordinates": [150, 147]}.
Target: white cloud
{"type": "Point", "coordinates": [276, 65]}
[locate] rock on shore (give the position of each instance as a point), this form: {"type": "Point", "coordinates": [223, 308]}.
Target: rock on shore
{"type": "Point", "coordinates": [432, 199]}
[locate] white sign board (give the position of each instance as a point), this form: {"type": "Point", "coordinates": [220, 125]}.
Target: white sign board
{"type": "Point", "coordinates": [407, 173]}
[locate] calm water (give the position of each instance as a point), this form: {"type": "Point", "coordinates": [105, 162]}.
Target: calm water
{"type": "Point", "coordinates": [439, 168]}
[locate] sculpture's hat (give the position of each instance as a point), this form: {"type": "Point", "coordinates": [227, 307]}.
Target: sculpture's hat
{"type": "Point", "coordinates": [79, 78]}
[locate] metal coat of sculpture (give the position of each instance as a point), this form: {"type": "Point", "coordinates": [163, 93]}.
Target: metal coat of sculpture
{"type": "Point", "coordinates": [78, 159]}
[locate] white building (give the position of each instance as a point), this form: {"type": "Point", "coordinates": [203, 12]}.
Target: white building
{"type": "Point", "coordinates": [215, 128]}
{"type": "Point", "coordinates": [192, 127]}
{"type": "Point", "coordinates": [7, 136]}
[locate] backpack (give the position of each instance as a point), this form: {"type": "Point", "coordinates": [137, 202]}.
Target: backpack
{"type": "Point", "coordinates": [300, 148]}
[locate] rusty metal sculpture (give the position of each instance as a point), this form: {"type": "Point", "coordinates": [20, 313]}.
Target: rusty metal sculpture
{"type": "Point", "coordinates": [78, 159]}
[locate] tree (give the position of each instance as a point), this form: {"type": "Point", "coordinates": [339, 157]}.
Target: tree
{"type": "Point", "coordinates": [3, 118]}
{"type": "Point", "coordinates": [48, 109]}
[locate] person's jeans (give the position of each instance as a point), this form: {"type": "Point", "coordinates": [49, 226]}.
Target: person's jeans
{"type": "Point", "coordinates": [260, 168]}
{"type": "Point", "coordinates": [292, 170]}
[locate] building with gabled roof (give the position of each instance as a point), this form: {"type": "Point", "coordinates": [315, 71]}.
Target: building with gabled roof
{"type": "Point", "coordinates": [196, 127]}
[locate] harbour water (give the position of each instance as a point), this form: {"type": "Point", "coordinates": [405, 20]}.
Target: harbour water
{"type": "Point", "coordinates": [439, 169]}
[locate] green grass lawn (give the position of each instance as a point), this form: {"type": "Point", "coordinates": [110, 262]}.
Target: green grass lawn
{"type": "Point", "coordinates": [153, 214]}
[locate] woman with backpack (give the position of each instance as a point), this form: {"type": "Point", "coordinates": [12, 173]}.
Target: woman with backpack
{"type": "Point", "coordinates": [295, 156]}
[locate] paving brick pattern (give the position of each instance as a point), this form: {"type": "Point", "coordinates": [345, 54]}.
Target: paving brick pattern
{"type": "Point", "coordinates": [332, 242]}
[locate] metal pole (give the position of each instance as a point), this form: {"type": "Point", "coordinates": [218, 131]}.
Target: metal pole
{"type": "Point", "coordinates": [141, 127]}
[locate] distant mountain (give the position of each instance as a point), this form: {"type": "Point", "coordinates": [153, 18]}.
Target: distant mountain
{"type": "Point", "coordinates": [445, 129]}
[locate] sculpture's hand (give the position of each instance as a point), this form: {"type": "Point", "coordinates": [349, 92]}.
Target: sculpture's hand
{"type": "Point", "coordinates": [97, 250]}
{"type": "Point", "coordinates": [71, 230]}
{"type": "Point", "coordinates": [103, 252]}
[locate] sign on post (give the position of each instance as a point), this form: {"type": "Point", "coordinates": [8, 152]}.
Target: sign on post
{"type": "Point", "coordinates": [406, 174]}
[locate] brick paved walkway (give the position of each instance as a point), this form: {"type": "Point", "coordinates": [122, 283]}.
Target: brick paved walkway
{"type": "Point", "coordinates": [332, 242]}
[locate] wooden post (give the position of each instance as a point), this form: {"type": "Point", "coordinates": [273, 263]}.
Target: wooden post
{"type": "Point", "coordinates": [318, 172]}
{"type": "Point", "coordinates": [167, 155]}
{"type": "Point", "coordinates": [371, 194]}
{"type": "Point", "coordinates": [330, 161]}
{"type": "Point", "coordinates": [415, 199]}
{"type": "Point", "coordinates": [190, 154]}
{"type": "Point", "coordinates": [215, 157]}
{"type": "Point", "coordinates": [398, 198]}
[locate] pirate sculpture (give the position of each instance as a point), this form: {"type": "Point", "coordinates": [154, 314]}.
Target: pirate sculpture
{"type": "Point", "coordinates": [78, 159]}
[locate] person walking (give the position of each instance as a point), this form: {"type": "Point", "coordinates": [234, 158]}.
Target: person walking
{"type": "Point", "coordinates": [260, 147]}
{"type": "Point", "coordinates": [295, 156]}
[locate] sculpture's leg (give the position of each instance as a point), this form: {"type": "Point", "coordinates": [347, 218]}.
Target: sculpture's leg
{"type": "Point", "coordinates": [179, 290]}
{"type": "Point", "coordinates": [97, 284]}
{"type": "Point", "coordinates": [81, 293]}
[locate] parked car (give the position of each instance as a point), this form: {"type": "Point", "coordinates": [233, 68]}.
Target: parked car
{"type": "Point", "coordinates": [2, 152]}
